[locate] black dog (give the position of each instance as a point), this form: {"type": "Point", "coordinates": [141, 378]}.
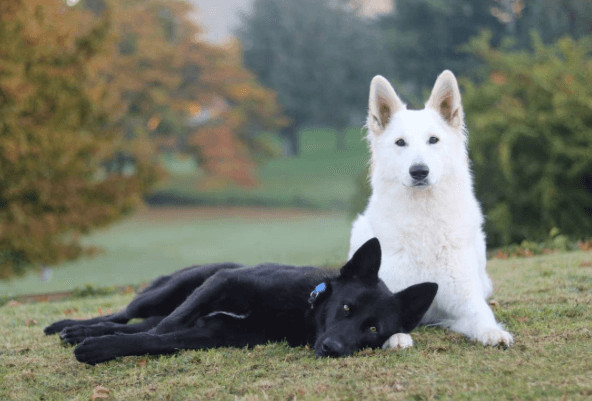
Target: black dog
{"type": "Point", "coordinates": [230, 305]}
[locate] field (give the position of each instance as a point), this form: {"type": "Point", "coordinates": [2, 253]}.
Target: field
{"type": "Point", "coordinates": [156, 241]}
{"type": "Point", "coordinates": [545, 301]}
{"type": "Point", "coordinates": [319, 178]}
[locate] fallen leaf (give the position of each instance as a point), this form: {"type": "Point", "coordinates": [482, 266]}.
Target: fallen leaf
{"type": "Point", "coordinates": [27, 374]}
{"type": "Point", "coordinates": [494, 304]}
{"type": "Point", "coordinates": [523, 319]}
{"type": "Point", "coordinates": [586, 263]}
{"type": "Point", "coordinates": [31, 322]}
{"type": "Point", "coordinates": [70, 311]}
{"type": "Point", "coordinates": [585, 246]}
{"type": "Point", "coordinates": [12, 303]}
{"type": "Point", "coordinates": [141, 363]}
{"type": "Point", "coordinates": [100, 392]}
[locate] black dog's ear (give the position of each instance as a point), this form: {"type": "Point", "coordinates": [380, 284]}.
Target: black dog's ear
{"type": "Point", "coordinates": [365, 263]}
{"type": "Point", "coordinates": [413, 302]}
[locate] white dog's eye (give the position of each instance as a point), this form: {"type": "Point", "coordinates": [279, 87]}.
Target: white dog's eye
{"type": "Point", "coordinates": [433, 140]}
{"type": "Point", "coordinates": [401, 142]}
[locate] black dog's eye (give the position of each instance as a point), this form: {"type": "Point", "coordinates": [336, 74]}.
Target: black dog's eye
{"type": "Point", "coordinates": [401, 142]}
{"type": "Point", "coordinates": [346, 309]}
{"type": "Point", "coordinates": [433, 140]}
{"type": "Point", "coordinates": [372, 329]}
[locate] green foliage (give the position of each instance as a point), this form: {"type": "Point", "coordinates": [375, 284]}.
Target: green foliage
{"type": "Point", "coordinates": [551, 19]}
{"type": "Point", "coordinates": [317, 55]}
{"type": "Point", "coordinates": [531, 134]}
{"type": "Point", "coordinates": [424, 37]}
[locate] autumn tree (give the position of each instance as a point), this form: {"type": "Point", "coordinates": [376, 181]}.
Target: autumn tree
{"type": "Point", "coordinates": [57, 145]}
{"type": "Point", "coordinates": [160, 73]}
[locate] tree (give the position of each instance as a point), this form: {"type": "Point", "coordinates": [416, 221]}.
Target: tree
{"type": "Point", "coordinates": [552, 19]}
{"type": "Point", "coordinates": [318, 55]}
{"type": "Point", "coordinates": [56, 143]}
{"type": "Point", "coordinates": [425, 37]}
{"type": "Point", "coordinates": [160, 73]}
{"type": "Point", "coordinates": [531, 135]}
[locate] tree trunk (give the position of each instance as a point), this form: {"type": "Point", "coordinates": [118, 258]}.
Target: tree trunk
{"type": "Point", "coordinates": [291, 141]}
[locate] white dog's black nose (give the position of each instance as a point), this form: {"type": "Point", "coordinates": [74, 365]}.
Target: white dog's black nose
{"type": "Point", "coordinates": [419, 171]}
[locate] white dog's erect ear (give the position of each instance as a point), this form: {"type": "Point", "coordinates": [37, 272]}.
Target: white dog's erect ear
{"type": "Point", "coordinates": [445, 99]}
{"type": "Point", "coordinates": [383, 104]}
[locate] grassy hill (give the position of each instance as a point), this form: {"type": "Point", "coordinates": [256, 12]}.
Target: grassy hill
{"type": "Point", "coordinates": [544, 301]}
{"type": "Point", "coordinates": [319, 178]}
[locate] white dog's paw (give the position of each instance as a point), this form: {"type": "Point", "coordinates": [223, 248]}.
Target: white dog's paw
{"type": "Point", "coordinates": [398, 341]}
{"type": "Point", "coordinates": [496, 336]}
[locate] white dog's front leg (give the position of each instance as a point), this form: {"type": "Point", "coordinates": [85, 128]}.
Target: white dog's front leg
{"type": "Point", "coordinates": [398, 341]}
{"type": "Point", "coordinates": [478, 323]}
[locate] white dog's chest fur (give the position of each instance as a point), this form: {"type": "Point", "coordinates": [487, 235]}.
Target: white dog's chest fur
{"type": "Point", "coordinates": [426, 237]}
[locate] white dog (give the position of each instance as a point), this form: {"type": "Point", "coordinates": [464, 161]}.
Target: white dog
{"type": "Point", "coordinates": [424, 212]}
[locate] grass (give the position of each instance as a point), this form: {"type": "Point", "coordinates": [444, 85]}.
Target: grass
{"type": "Point", "coordinates": [544, 301]}
{"type": "Point", "coordinates": [161, 240]}
{"type": "Point", "coordinates": [319, 178]}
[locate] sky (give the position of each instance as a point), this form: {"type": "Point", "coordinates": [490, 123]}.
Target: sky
{"type": "Point", "coordinates": [219, 17]}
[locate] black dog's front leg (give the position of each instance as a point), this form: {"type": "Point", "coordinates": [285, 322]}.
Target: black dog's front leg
{"type": "Point", "coordinates": [95, 350]}
{"type": "Point", "coordinates": [76, 334]}
{"type": "Point", "coordinates": [119, 317]}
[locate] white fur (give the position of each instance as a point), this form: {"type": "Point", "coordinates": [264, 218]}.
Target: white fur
{"type": "Point", "coordinates": [398, 341]}
{"type": "Point", "coordinates": [431, 232]}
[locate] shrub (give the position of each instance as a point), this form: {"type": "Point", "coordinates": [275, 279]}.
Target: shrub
{"type": "Point", "coordinates": [530, 121]}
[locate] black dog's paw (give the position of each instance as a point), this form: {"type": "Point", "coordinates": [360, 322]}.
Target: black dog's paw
{"type": "Point", "coordinates": [74, 334]}
{"type": "Point", "coordinates": [94, 350]}
{"type": "Point", "coordinates": [59, 326]}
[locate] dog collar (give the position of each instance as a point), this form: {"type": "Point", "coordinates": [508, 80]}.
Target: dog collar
{"type": "Point", "coordinates": [319, 289]}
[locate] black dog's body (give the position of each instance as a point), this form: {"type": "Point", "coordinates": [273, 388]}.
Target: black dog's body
{"type": "Point", "coordinates": [232, 305]}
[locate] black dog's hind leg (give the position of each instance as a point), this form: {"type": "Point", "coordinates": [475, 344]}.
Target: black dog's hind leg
{"type": "Point", "coordinates": [76, 334]}
{"type": "Point", "coordinates": [160, 298]}
{"type": "Point", "coordinates": [224, 291]}
{"type": "Point", "coordinates": [95, 350]}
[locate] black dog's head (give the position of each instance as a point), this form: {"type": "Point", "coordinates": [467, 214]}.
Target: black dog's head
{"type": "Point", "coordinates": [356, 309]}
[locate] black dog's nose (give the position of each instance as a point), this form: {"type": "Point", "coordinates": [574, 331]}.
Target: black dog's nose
{"type": "Point", "coordinates": [332, 347]}
{"type": "Point", "coordinates": [419, 171]}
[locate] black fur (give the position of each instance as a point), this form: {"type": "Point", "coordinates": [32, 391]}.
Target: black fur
{"type": "Point", "coordinates": [231, 305]}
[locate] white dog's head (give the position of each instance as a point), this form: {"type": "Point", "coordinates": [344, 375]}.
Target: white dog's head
{"type": "Point", "coordinates": [416, 148]}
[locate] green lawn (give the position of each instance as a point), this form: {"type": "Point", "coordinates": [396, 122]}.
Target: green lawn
{"type": "Point", "coordinates": [161, 240]}
{"type": "Point", "coordinates": [320, 177]}
{"type": "Point", "coordinates": [545, 301]}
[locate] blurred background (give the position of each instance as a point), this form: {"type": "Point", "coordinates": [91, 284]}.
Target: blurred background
{"type": "Point", "coordinates": [141, 136]}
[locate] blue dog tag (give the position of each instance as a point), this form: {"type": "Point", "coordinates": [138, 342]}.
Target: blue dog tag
{"type": "Point", "coordinates": [320, 288]}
